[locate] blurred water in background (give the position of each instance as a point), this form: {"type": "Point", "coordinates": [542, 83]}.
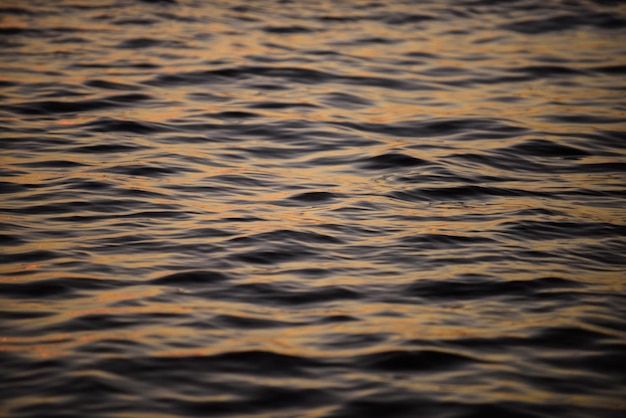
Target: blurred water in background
{"type": "Point", "coordinates": [312, 209]}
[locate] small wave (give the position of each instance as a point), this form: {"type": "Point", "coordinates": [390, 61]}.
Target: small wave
{"type": "Point", "coordinates": [565, 22]}
{"type": "Point", "coordinates": [191, 278]}
{"type": "Point", "coordinates": [420, 361]}
{"type": "Point", "coordinates": [476, 287]}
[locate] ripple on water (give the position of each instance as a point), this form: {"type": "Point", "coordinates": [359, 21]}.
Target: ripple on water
{"type": "Point", "coordinates": [283, 209]}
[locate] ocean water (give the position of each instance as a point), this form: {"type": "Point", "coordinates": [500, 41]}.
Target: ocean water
{"type": "Point", "coordinates": [313, 208]}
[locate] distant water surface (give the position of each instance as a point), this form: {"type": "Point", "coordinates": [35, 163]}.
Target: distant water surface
{"type": "Point", "coordinates": [313, 208]}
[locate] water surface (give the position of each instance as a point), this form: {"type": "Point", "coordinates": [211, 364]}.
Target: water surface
{"type": "Point", "coordinates": [312, 209]}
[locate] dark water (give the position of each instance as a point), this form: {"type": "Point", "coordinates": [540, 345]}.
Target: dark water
{"type": "Point", "coordinates": [313, 209]}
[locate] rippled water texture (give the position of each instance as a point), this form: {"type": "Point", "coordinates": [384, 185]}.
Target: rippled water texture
{"type": "Point", "coordinates": [313, 208]}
